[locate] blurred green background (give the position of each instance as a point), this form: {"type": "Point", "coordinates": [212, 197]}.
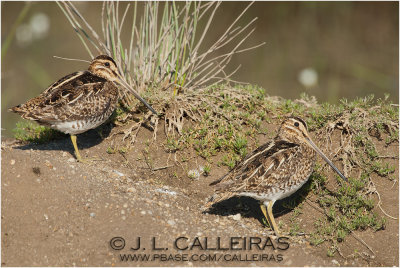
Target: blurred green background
{"type": "Point", "coordinates": [331, 50]}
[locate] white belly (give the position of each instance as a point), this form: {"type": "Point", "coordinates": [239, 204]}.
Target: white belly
{"type": "Point", "coordinates": [79, 126]}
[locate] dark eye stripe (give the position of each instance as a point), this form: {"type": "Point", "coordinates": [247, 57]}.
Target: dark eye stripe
{"type": "Point", "coordinates": [302, 121]}
{"type": "Point", "coordinates": [115, 74]}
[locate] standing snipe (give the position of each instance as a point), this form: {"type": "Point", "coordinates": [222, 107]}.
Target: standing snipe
{"type": "Point", "coordinates": [273, 171]}
{"type": "Point", "coordinates": [79, 101]}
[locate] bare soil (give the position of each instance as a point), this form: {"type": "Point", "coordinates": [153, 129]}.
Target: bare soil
{"type": "Point", "coordinates": [57, 212]}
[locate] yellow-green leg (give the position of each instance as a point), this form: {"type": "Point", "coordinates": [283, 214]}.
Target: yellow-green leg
{"type": "Point", "coordinates": [77, 154]}
{"type": "Point", "coordinates": [267, 211]}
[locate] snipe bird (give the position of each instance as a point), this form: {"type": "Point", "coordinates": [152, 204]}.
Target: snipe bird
{"type": "Point", "coordinates": [274, 170]}
{"type": "Point", "coordinates": [79, 101]}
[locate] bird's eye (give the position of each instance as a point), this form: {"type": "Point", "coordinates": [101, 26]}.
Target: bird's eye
{"type": "Point", "coordinates": [296, 124]}
{"type": "Point", "coordinates": [107, 64]}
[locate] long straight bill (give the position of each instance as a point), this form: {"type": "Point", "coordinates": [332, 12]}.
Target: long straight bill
{"type": "Point", "coordinates": [121, 81]}
{"type": "Point", "coordinates": [325, 158]}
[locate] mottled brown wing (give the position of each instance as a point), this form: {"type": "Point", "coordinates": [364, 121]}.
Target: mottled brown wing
{"type": "Point", "coordinates": [73, 97]}
{"type": "Point", "coordinates": [243, 164]}
{"type": "Point", "coordinates": [67, 80]}
{"type": "Point", "coordinates": [262, 168]}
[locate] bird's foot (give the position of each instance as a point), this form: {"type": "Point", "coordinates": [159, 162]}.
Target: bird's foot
{"type": "Point", "coordinates": [88, 160]}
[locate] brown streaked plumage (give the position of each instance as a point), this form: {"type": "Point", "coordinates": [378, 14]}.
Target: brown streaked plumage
{"type": "Point", "coordinates": [273, 171]}
{"type": "Point", "coordinates": [79, 101]}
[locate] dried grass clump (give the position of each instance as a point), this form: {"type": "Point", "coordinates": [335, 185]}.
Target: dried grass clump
{"type": "Point", "coordinates": [165, 56]}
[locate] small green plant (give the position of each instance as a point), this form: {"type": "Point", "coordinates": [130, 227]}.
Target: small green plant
{"type": "Point", "coordinates": [316, 239]}
{"type": "Point", "coordinates": [111, 150]}
{"type": "Point", "coordinates": [229, 161]}
{"type": "Point", "coordinates": [122, 150]}
{"type": "Point", "coordinates": [382, 169]}
{"type": "Point", "coordinates": [239, 146]}
{"type": "Point", "coordinates": [173, 145]}
{"type": "Point", "coordinates": [207, 170]}
{"type": "Point", "coordinates": [32, 132]}
{"type": "Point", "coordinates": [331, 251]}
{"type": "Point", "coordinates": [115, 149]}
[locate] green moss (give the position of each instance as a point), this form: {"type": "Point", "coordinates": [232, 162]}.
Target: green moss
{"type": "Point", "coordinates": [29, 131]}
{"type": "Point", "coordinates": [382, 169]}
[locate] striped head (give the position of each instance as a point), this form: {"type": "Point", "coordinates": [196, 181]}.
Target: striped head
{"type": "Point", "coordinates": [105, 67]}
{"type": "Point", "coordinates": [294, 130]}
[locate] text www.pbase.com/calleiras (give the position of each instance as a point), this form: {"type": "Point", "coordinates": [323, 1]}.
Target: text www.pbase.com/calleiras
{"type": "Point", "coordinates": [204, 257]}
{"type": "Point", "coordinates": [230, 248]}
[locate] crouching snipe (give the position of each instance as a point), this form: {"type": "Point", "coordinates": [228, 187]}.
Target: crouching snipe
{"type": "Point", "coordinates": [273, 171]}
{"type": "Point", "coordinates": [80, 101]}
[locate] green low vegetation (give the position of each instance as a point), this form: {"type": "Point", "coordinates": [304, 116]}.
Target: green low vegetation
{"type": "Point", "coordinates": [28, 131]}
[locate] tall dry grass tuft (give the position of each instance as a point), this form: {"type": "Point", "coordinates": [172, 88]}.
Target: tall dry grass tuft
{"type": "Point", "coordinates": [165, 54]}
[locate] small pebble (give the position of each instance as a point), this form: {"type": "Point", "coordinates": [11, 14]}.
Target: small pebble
{"type": "Point", "coordinates": [46, 217]}
{"type": "Point", "coordinates": [237, 217]}
{"type": "Point", "coordinates": [12, 162]}
{"type": "Point", "coordinates": [92, 214]}
{"type": "Point", "coordinates": [71, 159]}
{"type": "Point", "coordinates": [143, 212]}
{"type": "Point", "coordinates": [64, 154]}
{"type": "Point", "coordinates": [131, 190]}
{"type": "Point", "coordinates": [119, 173]}
{"type": "Point", "coordinates": [171, 222]}
{"type": "Point", "coordinates": [122, 212]}
{"type": "Point", "coordinates": [125, 205]}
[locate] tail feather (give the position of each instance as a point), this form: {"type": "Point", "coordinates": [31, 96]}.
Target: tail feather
{"type": "Point", "coordinates": [220, 185]}
{"type": "Point", "coordinates": [23, 112]}
{"type": "Point", "coordinates": [216, 198]}
{"type": "Point", "coordinates": [217, 181]}
{"type": "Point", "coordinates": [16, 109]}
{"type": "Point", "coordinates": [30, 113]}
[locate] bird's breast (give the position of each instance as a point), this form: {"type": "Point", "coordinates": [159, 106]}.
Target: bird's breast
{"type": "Point", "coordinates": [79, 126]}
